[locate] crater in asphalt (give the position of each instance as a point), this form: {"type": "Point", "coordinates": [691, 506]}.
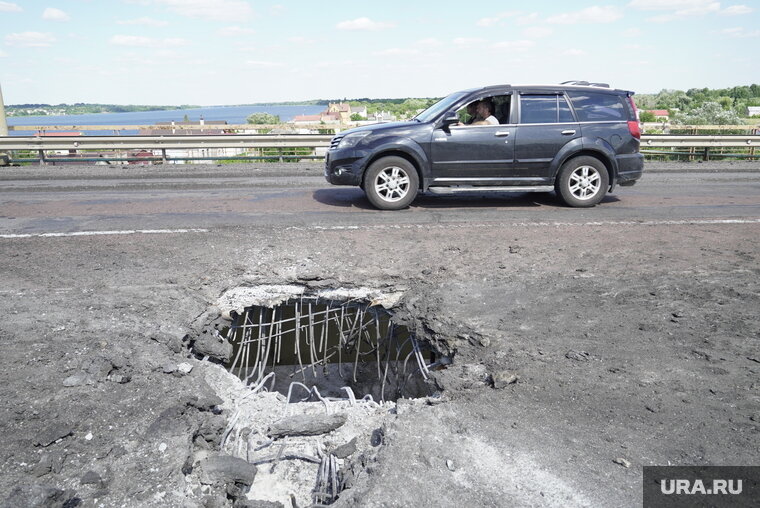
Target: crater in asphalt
{"type": "Point", "coordinates": [309, 347]}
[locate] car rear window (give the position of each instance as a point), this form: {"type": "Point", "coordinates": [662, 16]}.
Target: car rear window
{"type": "Point", "coordinates": [597, 107]}
{"type": "Point", "coordinates": [544, 109]}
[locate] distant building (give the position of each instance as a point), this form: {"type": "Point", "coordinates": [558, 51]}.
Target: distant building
{"type": "Point", "coordinates": [359, 110]}
{"type": "Point", "coordinates": [383, 116]}
{"type": "Point", "coordinates": [199, 128]}
{"type": "Point", "coordinates": [660, 114]}
{"type": "Point", "coordinates": [303, 119]}
{"type": "Point", "coordinates": [336, 112]}
{"type": "Point", "coordinates": [58, 134]}
{"type": "Point", "coordinates": [753, 111]}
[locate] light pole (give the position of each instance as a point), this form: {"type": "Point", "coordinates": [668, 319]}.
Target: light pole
{"type": "Point", "coordinates": [4, 157]}
{"type": "Point", "coordinates": [3, 121]}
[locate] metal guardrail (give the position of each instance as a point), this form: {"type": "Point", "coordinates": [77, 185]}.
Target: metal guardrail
{"type": "Point", "coordinates": [704, 143]}
{"type": "Point", "coordinates": [163, 142]}
{"type": "Point", "coordinates": [669, 140]}
{"type": "Point", "coordinates": [284, 142]}
{"type": "Point", "coordinates": [247, 142]}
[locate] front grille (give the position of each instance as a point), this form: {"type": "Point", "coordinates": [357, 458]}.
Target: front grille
{"type": "Point", "coordinates": [335, 141]}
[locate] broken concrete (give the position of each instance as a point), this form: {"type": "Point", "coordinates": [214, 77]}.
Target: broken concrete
{"type": "Point", "coordinates": [548, 440]}
{"type": "Point", "coordinates": [306, 425]}
{"type": "Point", "coordinates": [220, 470]}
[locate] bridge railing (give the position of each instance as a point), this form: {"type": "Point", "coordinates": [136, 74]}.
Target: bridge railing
{"type": "Point", "coordinates": [166, 148]}
{"type": "Point", "coordinates": [169, 148]}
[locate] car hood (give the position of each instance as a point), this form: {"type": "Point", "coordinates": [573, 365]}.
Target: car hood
{"type": "Point", "coordinates": [379, 127]}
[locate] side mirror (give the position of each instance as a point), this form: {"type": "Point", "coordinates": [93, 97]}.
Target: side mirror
{"type": "Point", "coordinates": [450, 119]}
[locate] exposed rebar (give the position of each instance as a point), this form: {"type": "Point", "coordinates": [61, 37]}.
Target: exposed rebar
{"type": "Point", "coordinates": [311, 335]}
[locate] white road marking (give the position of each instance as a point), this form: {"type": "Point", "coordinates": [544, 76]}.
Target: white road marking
{"type": "Point", "coordinates": [107, 233]}
{"type": "Point", "coordinates": [461, 225]}
{"type": "Point", "coordinates": [465, 225]}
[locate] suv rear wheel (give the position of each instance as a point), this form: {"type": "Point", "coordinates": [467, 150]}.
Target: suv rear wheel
{"type": "Point", "coordinates": [583, 181]}
{"type": "Point", "coordinates": [391, 183]}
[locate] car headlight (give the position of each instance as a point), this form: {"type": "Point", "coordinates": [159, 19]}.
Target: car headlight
{"type": "Point", "coordinates": [351, 140]}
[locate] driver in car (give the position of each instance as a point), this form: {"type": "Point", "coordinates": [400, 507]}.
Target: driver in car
{"type": "Point", "coordinates": [484, 114]}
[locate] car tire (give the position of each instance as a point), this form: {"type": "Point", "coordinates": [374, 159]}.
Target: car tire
{"type": "Point", "coordinates": [391, 183]}
{"type": "Point", "coordinates": [582, 182]}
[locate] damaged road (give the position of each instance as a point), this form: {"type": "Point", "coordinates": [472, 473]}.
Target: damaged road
{"type": "Point", "coordinates": [585, 344]}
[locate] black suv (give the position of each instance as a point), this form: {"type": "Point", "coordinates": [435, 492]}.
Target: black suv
{"type": "Point", "coordinates": [576, 138]}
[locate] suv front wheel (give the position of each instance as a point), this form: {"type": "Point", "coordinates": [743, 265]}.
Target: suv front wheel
{"type": "Point", "coordinates": [582, 181]}
{"type": "Point", "coordinates": [391, 183]}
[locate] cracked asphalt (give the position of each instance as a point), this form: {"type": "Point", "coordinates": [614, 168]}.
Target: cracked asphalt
{"type": "Point", "coordinates": [629, 332]}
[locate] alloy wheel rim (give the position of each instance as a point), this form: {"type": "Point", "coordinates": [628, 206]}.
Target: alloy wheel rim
{"type": "Point", "coordinates": [392, 184]}
{"type": "Point", "coordinates": [585, 182]}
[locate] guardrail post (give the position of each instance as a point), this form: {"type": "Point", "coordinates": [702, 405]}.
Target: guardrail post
{"type": "Point", "coordinates": [706, 156]}
{"type": "Point", "coordinates": [163, 155]}
{"type": "Point", "coordinates": [42, 158]}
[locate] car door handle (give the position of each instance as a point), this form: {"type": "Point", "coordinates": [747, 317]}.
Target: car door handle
{"type": "Point", "coordinates": [568, 133]}
{"type": "Point", "coordinates": [501, 134]}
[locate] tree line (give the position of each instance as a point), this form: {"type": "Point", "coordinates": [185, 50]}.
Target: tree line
{"type": "Point", "coordinates": [81, 108]}
{"type": "Point", "coordinates": [702, 106]}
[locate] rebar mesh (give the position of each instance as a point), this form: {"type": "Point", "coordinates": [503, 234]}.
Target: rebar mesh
{"type": "Point", "coordinates": [328, 345]}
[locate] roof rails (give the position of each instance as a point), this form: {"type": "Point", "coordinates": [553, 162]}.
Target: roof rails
{"type": "Point", "coordinates": [584, 83]}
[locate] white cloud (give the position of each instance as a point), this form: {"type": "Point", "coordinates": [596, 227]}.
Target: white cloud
{"type": "Point", "coordinates": [139, 41]}
{"type": "Point", "coordinates": [264, 64]}
{"type": "Point", "coordinates": [145, 21]}
{"type": "Point", "coordinates": [520, 45]}
{"type": "Point", "coordinates": [3, 54]}
{"type": "Point", "coordinates": [498, 19]}
{"type": "Point", "coordinates": [430, 42]}
{"type": "Point", "coordinates": [668, 5]}
{"type": "Point", "coordinates": [697, 10]}
{"type": "Point", "coordinates": [301, 40]}
{"type": "Point", "coordinates": [214, 10]}
{"type": "Point", "coordinates": [528, 19]}
{"type": "Point", "coordinates": [573, 52]}
{"type": "Point", "coordinates": [53, 14]}
{"type": "Point", "coordinates": [740, 33]}
{"type": "Point", "coordinates": [363, 24]}
{"type": "Point", "coordinates": [737, 10]}
{"type": "Point", "coordinates": [9, 7]}
{"type": "Point", "coordinates": [468, 41]}
{"type": "Point", "coordinates": [234, 31]}
{"type": "Point", "coordinates": [397, 52]}
{"type": "Point", "coordinates": [536, 32]}
{"type": "Point", "coordinates": [685, 8]}
{"type": "Point", "coordinates": [594, 14]}
{"type": "Point", "coordinates": [632, 32]}
{"type": "Point", "coordinates": [30, 39]}
{"type": "Point", "coordinates": [486, 22]}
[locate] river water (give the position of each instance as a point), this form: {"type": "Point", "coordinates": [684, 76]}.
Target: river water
{"type": "Point", "coordinates": [235, 115]}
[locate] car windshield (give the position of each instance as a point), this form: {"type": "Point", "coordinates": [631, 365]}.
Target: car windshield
{"type": "Point", "coordinates": [439, 107]}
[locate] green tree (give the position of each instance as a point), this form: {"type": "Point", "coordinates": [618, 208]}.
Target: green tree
{"type": "Point", "coordinates": [646, 116]}
{"type": "Point", "coordinates": [356, 117]}
{"type": "Point", "coordinates": [710, 113]}
{"type": "Point", "coordinates": [263, 119]}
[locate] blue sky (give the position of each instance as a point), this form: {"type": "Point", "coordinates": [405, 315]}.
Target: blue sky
{"type": "Point", "coordinates": [211, 52]}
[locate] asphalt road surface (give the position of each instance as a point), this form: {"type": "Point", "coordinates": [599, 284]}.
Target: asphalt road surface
{"type": "Point", "coordinates": [585, 343]}
{"type": "Point", "coordinates": [102, 198]}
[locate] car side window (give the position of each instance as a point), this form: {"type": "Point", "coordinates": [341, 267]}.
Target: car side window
{"type": "Point", "coordinates": [538, 109]}
{"type": "Point", "coordinates": [597, 107]}
{"type": "Point", "coordinates": [565, 113]}
{"type": "Point", "coordinates": [544, 109]}
{"type": "Point", "coordinates": [500, 106]}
